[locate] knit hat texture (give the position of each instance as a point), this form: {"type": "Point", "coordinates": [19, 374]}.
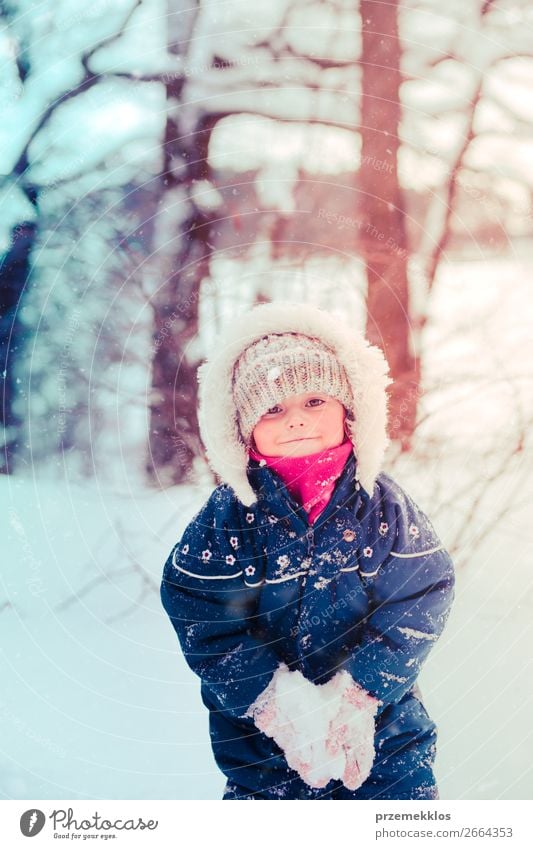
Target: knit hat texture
{"type": "Point", "coordinates": [280, 365]}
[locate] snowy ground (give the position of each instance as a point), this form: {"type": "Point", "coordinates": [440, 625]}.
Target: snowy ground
{"type": "Point", "coordinates": [97, 701]}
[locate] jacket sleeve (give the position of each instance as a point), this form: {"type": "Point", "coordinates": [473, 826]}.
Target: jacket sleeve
{"type": "Point", "coordinates": [209, 605]}
{"type": "Point", "coordinates": [411, 590]}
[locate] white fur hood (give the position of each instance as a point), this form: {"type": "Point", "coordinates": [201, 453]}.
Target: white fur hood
{"type": "Point", "coordinates": [365, 365]}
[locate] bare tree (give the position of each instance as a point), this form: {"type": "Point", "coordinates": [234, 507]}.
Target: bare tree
{"type": "Point", "coordinates": [382, 206]}
{"type": "Point", "coordinates": [183, 256]}
{"type": "Point", "coordinates": [56, 200]}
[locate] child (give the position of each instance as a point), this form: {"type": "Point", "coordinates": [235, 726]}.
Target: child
{"type": "Point", "coordinates": [309, 589]}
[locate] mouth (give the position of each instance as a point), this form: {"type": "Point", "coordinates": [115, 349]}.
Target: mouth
{"type": "Point", "coordinates": [300, 439]}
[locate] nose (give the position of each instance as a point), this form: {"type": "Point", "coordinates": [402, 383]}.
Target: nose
{"type": "Point", "coordinates": [296, 419]}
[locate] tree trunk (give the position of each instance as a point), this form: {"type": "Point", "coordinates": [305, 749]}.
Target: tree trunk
{"type": "Point", "coordinates": [174, 440]}
{"type": "Point", "coordinates": [14, 273]}
{"type": "Point", "coordinates": [173, 431]}
{"type": "Point", "coordinates": [382, 229]}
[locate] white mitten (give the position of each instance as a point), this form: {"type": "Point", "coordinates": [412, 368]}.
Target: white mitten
{"type": "Point", "coordinates": [352, 729]}
{"type": "Point", "coordinates": [292, 711]}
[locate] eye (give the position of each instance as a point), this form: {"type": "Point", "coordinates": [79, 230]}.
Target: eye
{"type": "Point", "coordinates": [273, 410]}
{"type": "Point", "coordinates": [320, 401]}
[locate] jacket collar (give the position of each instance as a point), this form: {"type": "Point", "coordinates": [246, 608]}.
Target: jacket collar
{"type": "Point", "coordinates": [274, 497]}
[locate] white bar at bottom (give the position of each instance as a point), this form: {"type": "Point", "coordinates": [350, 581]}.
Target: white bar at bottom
{"type": "Point", "coordinates": [163, 823]}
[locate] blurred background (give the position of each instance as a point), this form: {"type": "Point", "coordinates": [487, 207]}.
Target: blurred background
{"type": "Point", "coordinates": [163, 167]}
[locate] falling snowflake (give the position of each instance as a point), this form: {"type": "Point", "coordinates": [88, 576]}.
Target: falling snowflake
{"type": "Point", "coordinates": [292, 534]}
{"type": "Point", "coordinates": [206, 555]}
{"type": "Point", "coordinates": [234, 542]}
{"type": "Point", "coordinates": [272, 519]}
{"type": "Point", "coordinates": [367, 551]}
{"type": "Point", "coordinates": [230, 560]}
{"type": "Point", "coordinates": [185, 548]}
{"type": "Point", "coordinates": [250, 570]}
{"type": "Point", "coordinates": [383, 528]}
{"type": "Point", "coordinates": [250, 518]}
{"type": "Point", "coordinates": [413, 530]}
{"type": "Point", "coordinates": [283, 561]}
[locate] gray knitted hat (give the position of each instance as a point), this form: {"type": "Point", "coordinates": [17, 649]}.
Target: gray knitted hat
{"type": "Point", "coordinates": [282, 364]}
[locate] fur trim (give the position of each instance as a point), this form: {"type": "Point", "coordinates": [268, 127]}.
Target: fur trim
{"type": "Point", "coordinates": [365, 365]}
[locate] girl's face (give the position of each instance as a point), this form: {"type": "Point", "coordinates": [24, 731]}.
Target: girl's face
{"type": "Point", "coordinates": [300, 425]}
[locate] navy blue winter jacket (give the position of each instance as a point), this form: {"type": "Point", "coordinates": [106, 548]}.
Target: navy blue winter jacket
{"type": "Point", "coordinates": [366, 588]}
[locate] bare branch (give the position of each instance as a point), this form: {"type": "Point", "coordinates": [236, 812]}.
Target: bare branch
{"type": "Point", "coordinates": [472, 514]}
{"type": "Point", "coordinates": [86, 589]}
{"type": "Point", "coordinates": [89, 80]}
{"type": "Point", "coordinates": [110, 38]}
{"type": "Point", "coordinates": [324, 64]}
{"type": "Point", "coordinates": [218, 116]}
{"type": "Point", "coordinates": [279, 48]}
{"type": "Point", "coordinates": [451, 189]}
{"type": "Point", "coordinates": [147, 583]}
{"type": "Point", "coordinates": [486, 7]}
{"type": "Point", "coordinates": [507, 56]}
{"type": "Point", "coordinates": [444, 57]}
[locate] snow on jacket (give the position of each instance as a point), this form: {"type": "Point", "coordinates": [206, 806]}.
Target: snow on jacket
{"type": "Point", "coordinates": [252, 584]}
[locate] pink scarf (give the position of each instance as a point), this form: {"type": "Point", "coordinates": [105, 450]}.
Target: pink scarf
{"type": "Point", "coordinates": [310, 479]}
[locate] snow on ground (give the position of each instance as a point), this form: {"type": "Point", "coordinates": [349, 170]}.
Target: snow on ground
{"type": "Point", "coordinates": [97, 700]}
